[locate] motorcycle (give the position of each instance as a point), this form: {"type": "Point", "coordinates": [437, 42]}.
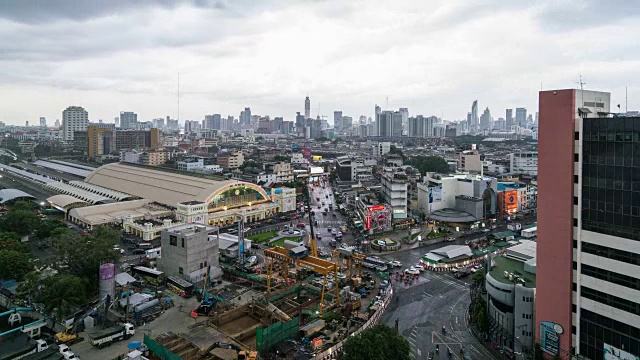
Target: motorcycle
{"type": "Point", "coordinates": [444, 331]}
{"type": "Point", "coordinates": [437, 349]}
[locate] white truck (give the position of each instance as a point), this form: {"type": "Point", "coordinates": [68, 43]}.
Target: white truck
{"type": "Point", "coordinates": [115, 333]}
{"type": "Point", "coordinates": [25, 349]}
{"type": "Point", "coordinates": [67, 353]}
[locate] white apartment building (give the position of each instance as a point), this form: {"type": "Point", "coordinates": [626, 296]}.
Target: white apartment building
{"type": "Point", "coordinates": [524, 162]}
{"type": "Point", "coordinates": [439, 192]}
{"type": "Point", "coordinates": [190, 165]}
{"type": "Point", "coordinates": [381, 148]}
{"type": "Point", "coordinates": [395, 192]}
{"type": "Point", "coordinates": [469, 160]}
{"type": "Point", "coordinates": [74, 118]}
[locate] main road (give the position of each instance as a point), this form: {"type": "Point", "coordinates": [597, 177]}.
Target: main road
{"type": "Point", "coordinates": [425, 306]}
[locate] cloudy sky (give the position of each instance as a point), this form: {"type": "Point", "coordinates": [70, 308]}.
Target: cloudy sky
{"type": "Point", "coordinates": [434, 57]}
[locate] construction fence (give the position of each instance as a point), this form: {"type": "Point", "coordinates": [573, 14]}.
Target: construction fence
{"type": "Point", "coordinates": [266, 338]}
{"type": "Point", "coordinates": [159, 350]}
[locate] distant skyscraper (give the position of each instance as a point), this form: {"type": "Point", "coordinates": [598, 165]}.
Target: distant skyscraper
{"type": "Point", "coordinates": [509, 118]}
{"type": "Point", "coordinates": [529, 120]}
{"type": "Point", "coordinates": [245, 116]}
{"type": "Point", "coordinates": [57, 124]}
{"type": "Point", "coordinates": [362, 120]}
{"type": "Point", "coordinates": [377, 113]}
{"type": "Point", "coordinates": [474, 117]}
{"type": "Point", "coordinates": [307, 108]}
{"type": "Point", "coordinates": [26, 123]}
{"type": "Point", "coordinates": [521, 117]}
{"type": "Point", "coordinates": [74, 118]}
{"type": "Point", "coordinates": [337, 120]}
{"type": "Point", "coordinates": [116, 120]}
{"type": "Point", "coordinates": [128, 120]}
{"type": "Point", "coordinates": [43, 121]}
{"type": "Point", "coordinates": [405, 117]}
{"type": "Point", "coordinates": [485, 120]}
{"type": "Point", "coordinates": [421, 126]}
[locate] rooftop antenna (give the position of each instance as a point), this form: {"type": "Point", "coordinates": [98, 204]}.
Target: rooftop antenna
{"type": "Point", "coordinates": [626, 100]}
{"type": "Point", "coordinates": [582, 84]}
{"type": "Point", "coordinates": [387, 104]}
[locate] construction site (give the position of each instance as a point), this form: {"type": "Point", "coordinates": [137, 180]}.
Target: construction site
{"type": "Point", "coordinates": [300, 308]}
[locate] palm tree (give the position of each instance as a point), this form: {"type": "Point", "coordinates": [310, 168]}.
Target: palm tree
{"type": "Point", "coordinates": [62, 294]}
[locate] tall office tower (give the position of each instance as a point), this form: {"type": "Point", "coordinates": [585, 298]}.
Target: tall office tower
{"type": "Point", "coordinates": [128, 120]}
{"type": "Point", "coordinates": [485, 120]}
{"type": "Point", "coordinates": [57, 124]}
{"type": "Point", "coordinates": [307, 108]}
{"type": "Point", "coordinates": [378, 110]}
{"type": "Point", "coordinates": [385, 124]}
{"type": "Point", "coordinates": [337, 120]}
{"type": "Point", "coordinates": [43, 122]}
{"type": "Point", "coordinates": [212, 121]}
{"type": "Point", "coordinates": [474, 117]}
{"type": "Point", "coordinates": [509, 118]}
{"type": "Point", "coordinates": [421, 126]}
{"type": "Point", "coordinates": [245, 116]}
{"type": "Point", "coordinates": [74, 118]}
{"type": "Point", "coordinates": [535, 121]}
{"type": "Point", "coordinates": [346, 123]}
{"type": "Point", "coordinates": [521, 117]}
{"type": "Point", "coordinates": [468, 122]}
{"type": "Point", "coordinates": [116, 120]}
{"type": "Point", "coordinates": [529, 120]}
{"type": "Point", "coordinates": [588, 247]}
{"type": "Point", "coordinates": [405, 117]}
{"type": "Point", "coordinates": [26, 123]}
{"type": "Point", "coordinates": [362, 120]}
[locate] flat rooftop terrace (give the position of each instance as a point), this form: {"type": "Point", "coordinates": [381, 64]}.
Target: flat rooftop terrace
{"type": "Point", "coordinates": [513, 266]}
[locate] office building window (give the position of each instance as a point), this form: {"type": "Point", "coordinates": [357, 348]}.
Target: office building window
{"type": "Point", "coordinates": [611, 300]}
{"type": "Point", "coordinates": [597, 330]}
{"type": "Point", "coordinates": [182, 242]}
{"type": "Point", "coordinates": [173, 240]}
{"type": "Point", "coordinates": [610, 276]}
{"type": "Point", "coordinates": [180, 271]}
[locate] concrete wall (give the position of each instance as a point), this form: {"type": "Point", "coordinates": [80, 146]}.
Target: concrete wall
{"type": "Point", "coordinates": [520, 323]}
{"type": "Point", "coordinates": [555, 210]}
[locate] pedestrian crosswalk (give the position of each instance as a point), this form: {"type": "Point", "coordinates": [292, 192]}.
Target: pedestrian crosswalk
{"type": "Point", "coordinates": [413, 340]}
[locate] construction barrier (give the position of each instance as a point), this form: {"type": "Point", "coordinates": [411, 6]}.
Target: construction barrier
{"type": "Point", "coordinates": [159, 350]}
{"type": "Point", "coordinates": [266, 338]}
{"type": "Point", "coordinates": [334, 351]}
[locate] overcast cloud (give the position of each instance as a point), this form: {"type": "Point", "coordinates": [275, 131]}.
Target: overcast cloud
{"type": "Point", "coordinates": [434, 57]}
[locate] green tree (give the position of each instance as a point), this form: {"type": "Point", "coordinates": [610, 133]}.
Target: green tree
{"type": "Point", "coordinates": [83, 255]}
{"type": "Point", "coordinates": [28, 288]}
{"type": "Point", "coordinates": [395, 151]}
{"type": "Point", "coordinates": [480, 317]}
{"type": "Point", "coordinates": [14, 264]}
{"type": "Point", "coordinates": [11, 241]}
{"type": "Point", "coordinates": [538, 354]}
{"type": "Point", "coordinates": [62, 294]}
{"type": "Point", "coordinates": [281, 158]}
{"type": "Point", "coordinates": [434, 164]}
{"type": "Point", "coordinates": [47, 228]}
{"type": "Point", "coordinates": [377, 343]}
{"type": "Point", "coordinates": [477, 279]}
{"type": "Point", "coordinates": [20, 219]}
{"type": "Point", "coordinates": [249, 163]}
{"type": "Point", "coordinates": [213, 149]}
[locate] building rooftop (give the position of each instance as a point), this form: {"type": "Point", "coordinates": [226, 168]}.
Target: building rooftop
{"type": "Point", "coordinates": [511, 266]}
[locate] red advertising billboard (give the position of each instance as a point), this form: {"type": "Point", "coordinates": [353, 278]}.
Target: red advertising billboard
{"type": "Point", "coordinates": [306, 152]}
{"type": "Point", "coordinates": [511, 199]}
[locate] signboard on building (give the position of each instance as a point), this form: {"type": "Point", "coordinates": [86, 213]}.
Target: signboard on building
{"type": "Point", "coordinates": [306, 152]}
{"type": "Point", "coordinates": [511, 200]}
{"type": "Point", "coordinates": [435, 194]}
{"type": "Point", "coordinates": [295, 148]}
{"type": "Point", "coordinates": [613, 353]}
{"type": "Point", "coordinates": [241, 237]}
{"type": "Point", "coordinates": [549, 337]}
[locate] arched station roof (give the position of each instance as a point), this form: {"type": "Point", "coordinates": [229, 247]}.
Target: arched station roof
{"type": "Point", "coordinates": [161, 186]}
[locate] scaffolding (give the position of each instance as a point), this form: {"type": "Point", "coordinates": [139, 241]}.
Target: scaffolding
{"type": "Point", "coordinates": [307, 262]}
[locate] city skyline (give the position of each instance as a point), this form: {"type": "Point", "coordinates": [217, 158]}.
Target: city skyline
{"type": "Point", "coordinates": [351, 60]}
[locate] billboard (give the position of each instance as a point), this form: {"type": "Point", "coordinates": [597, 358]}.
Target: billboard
{"type": "Point", "coordinates": [435, 194]}
{"type": "Point", "coordinates": [613, 353]}
{"type": "Point", "coordinates": [306, 152]}
{"type": "Point", "coordinates": [550, 337]}
{"type": "Point", "coordinates": [511, 200]}
{"type": "Point", "coordinates": [295, 148]}
{"type": "Point", "coordinates": [241, 236]}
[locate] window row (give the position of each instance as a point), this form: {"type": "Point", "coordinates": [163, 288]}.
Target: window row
{"type": "Point", "coordinates": [594, 125]}
{"type": "Point", "coordinates": [610, 300]}
{"type": "Point", "coordinates": [597, 330]}
{"type": "Point", "coordinates": [611, 229]}
{"type": "Point", "coordinates": [611, 253]}
{"type": "Point", "coordinates": [610, 276]}
{"type": "Point", "coordinates": [603, 183]}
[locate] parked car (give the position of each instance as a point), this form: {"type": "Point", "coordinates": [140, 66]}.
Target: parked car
{"type": "Point", "coordinates": [139, 252]}
{"type": "Point", "coordinates": [412, 271]}
{"type": "Point", "coordinates": [419, 267]}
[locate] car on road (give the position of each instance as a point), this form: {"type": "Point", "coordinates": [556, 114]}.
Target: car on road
{"type": "Point", "coordinates": [412, 271]}
{"type": "Point", "coordinates": [138, 252]}
{"type": "Point", "coordinates": [395, 263]}
{"type": "Point", "coordinates": [486, 230]}
{"type": "Point", "coordinates": [43, 245]}
{"type": "Point", "coordinates": [384, 283]}
{"type": "Point", "coordinates": [419, 267]}
{"type": "Point", "coordinates": [117, 249]}
{"type": "Point", "coordinates": [450, 238]}
{"type": "Point", "coordinates": [300, 225]}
